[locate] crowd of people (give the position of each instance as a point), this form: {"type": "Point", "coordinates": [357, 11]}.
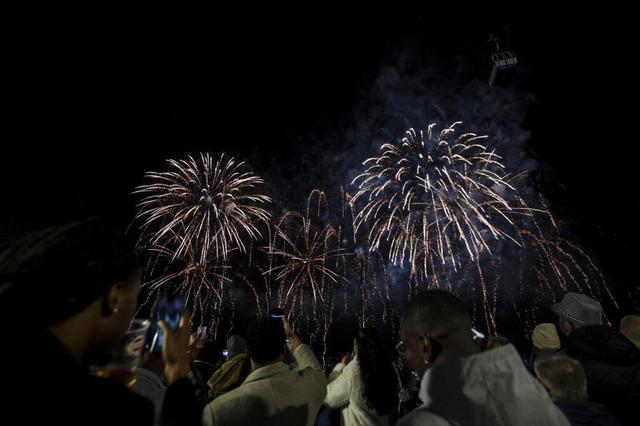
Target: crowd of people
{"type": "Point", "coordinates": [69, 293]}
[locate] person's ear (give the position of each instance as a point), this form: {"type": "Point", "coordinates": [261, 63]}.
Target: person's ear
{"type": "Point", "coordinates": [113, 300]}
{"type": "Point", "coordinates": [569, 326]}
{"type": "Point", "coordinates": [425, 349]}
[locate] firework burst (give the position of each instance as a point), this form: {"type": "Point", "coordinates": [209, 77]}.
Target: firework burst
{"type": "Point", "coordinates": [432, 195]}
{"type": "Point", "coordinates": [306, 254]}
{"type": "Point", "coordinates": [208, 207]}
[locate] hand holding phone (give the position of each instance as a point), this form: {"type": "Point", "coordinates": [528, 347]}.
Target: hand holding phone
{"type": "Point", "coordinates": [168, 310]}
{"type": "Point", "coordinates": [175, 351]}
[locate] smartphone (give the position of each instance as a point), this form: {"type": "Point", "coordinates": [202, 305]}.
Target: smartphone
{"type": "Point", "coordinates": [477, 334]}
{"type": "Point", "coordinates": [201, 336]}
{"type": "Point", "coordinates": [169, 309]}
{"type": "Point", "coordinates": [277, 313]}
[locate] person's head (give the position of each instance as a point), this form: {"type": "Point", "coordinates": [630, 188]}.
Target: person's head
{"type": "Point", "coordinates": [576, 310]}
{"type": "Point", "coordinates": [561, 375]}
{"type": "Point", "coordinates": [381, 385]}
{"type": "Point", "coordinates": [497, 342]}
{"type": "Point", "coordinates": [630, 328]}
{"type": "Point", "coordinates": [435, 320]}
{"type": "Point", "coordinates": [83, 273]}
{"type": "Point", "coordinates": [265, 341]}
{"type": "Point", "coordinates": [236, 345]}
{"type": "Point", "coordinates": [545, 336]}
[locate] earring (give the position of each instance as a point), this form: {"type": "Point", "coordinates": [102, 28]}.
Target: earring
{"type": "Point", "coordinates": [426, 362]}
{"type": "Point", "coordinates": [115, 310]}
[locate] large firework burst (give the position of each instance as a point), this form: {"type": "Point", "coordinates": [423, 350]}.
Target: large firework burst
{"type": "Point", "coordinates": [204, 206]}
{"type": "Point", "coordinates": [444, 204]}
{"type": "Point", "coordinates": [432, 194]}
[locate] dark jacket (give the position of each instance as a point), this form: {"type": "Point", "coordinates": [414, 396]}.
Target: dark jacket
{"type": "Point", "coordinates": [44, 384]}
{"type": "Point", "coordinates": [612, 366]}
{"type": "Point", "coordinates": [586, 413]}
{"type": "Point", "coordinates": [49, 386]}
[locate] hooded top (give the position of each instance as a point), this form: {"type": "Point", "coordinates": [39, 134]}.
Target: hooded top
{"type": "Point", "coordinates": [489, 388]}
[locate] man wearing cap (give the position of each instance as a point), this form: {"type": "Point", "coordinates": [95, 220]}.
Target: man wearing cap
{"type": "Point", "coordinates": [611, 362]}
{"type": "Point", "coordinates": [545, 336]}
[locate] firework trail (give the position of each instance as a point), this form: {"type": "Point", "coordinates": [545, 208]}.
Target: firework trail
{"type": "Point", "coordinates": [196, 281]}
{"type": "Point", "coordinates": [202, 206]}
{"type": "Point", "coordinates": [305, 260]}
{"type": "Point", "coordinates": [367, 296]}
{"type": "Point", "coordinates": [306, 254]}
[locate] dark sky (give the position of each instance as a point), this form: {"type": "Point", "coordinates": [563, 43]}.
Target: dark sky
{"type": "Point", "coordinates": [88, 115]}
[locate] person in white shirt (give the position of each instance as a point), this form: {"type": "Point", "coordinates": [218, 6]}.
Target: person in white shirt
{"type": "Point", "coordinates": [366, 390]}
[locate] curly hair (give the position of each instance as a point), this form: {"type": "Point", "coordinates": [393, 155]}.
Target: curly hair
{"type": "Point", "coordinates": [381, 383]}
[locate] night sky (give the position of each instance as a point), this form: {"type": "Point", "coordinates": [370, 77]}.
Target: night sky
{"type": "Point", "coordinates": [305, 102]}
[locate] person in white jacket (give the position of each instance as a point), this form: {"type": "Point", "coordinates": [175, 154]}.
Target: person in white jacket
{"type": "Point", "coordinates": [272, 394]}
{"type": "Point", "coordinates": [459, 385]}
{"type": "Point", "coordinates": [367, 388]}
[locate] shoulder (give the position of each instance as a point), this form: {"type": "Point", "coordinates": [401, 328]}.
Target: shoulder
{"type": "Point", "coordinates": [422, 416]}
{"type": "Point", "coordinates": [230, 397]}
{"type": "Point", "coordinates": [306, 373]}
{"type": "Point", "coordinates": [224, 403]}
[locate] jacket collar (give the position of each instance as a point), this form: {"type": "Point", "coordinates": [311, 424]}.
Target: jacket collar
{"type": "Point", "coordinates": [266, 372]}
